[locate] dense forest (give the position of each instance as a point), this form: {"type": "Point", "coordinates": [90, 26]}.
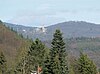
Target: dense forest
{"type": "Point", "coordinates": [37, 56]}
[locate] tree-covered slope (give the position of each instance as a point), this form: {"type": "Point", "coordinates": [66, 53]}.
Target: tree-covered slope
{"type": "Point", "coordinates": [90, 46]}
{"type": "Point", "coordinates": [12, 45]}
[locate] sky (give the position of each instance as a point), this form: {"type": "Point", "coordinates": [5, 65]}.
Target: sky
{"type": "Point", "coordinates": [49, 12]}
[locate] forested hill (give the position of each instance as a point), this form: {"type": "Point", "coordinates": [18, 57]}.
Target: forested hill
{"type": "Point", "coordinates": [77, 29]}
{"type": "Point", "coordinates": [15, 46]}
{"type": "Point", "coordinates": [69, 29]}
{"type": "Point", "coordinates": [11, 44]}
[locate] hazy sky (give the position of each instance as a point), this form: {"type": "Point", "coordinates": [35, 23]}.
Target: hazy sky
{"type": "Point", "coordinates": [48, 12]}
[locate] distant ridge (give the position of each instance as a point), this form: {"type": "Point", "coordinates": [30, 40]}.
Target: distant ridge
{"type": "Point", "coordinates": [69, 29]}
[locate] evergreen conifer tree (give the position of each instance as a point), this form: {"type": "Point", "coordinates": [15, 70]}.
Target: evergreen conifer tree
{"type": "Point", "coordinates": [36, 55]}
{"type": "Point", "coordinates": [86, 66]}
{"type": "Point", "coordinates": [58, 55]}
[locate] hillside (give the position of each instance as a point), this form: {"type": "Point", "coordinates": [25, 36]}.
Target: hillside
{"type": "Point", "coordinates": [77, 29]}
{"type": "Point", "coordinates": [91, 45]}
{"type": "Point", "coordinates": [12, 45]}
{"type": "Point", "coordinates": [69, 29]}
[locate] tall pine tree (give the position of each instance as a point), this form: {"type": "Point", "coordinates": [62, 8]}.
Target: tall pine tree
{"type": "Point", "coordinates": [86, 66]}
{"type": "Point", "coordinates": [36, 55]}
{"type": "Point", "coordinates": [58, 55]}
